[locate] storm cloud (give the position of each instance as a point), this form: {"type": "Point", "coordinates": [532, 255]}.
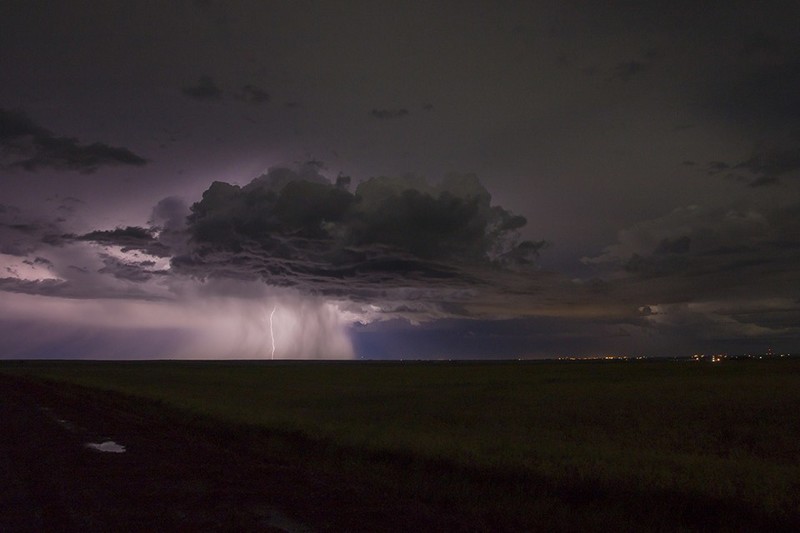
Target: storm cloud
{"type": "Point", "coordinates": [295, 228]}
{"type": "Point", "coordinates": [696, 241]}
{"type": "Point", "coordinates": [725, 272]}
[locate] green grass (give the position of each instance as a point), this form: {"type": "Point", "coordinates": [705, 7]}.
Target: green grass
{"type": "Point", "coordinates": [727, 431]}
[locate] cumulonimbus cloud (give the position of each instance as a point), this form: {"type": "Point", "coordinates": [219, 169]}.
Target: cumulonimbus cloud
{"type": "Point", "coordinates": [296, 228]}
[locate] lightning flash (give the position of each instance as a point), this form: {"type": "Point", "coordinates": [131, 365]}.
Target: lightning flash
{"type": "Point", "coordinates": [272, 330]}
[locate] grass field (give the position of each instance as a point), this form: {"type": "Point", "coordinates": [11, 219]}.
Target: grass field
{"type": "Point", "coordinates": [664, 434]}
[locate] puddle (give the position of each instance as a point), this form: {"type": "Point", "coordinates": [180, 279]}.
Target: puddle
{"type": "Point", "coordinates": [108, 446]}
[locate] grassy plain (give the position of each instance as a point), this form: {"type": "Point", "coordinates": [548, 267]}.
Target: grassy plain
{"type": "Point", "coordinates": [556, 444]}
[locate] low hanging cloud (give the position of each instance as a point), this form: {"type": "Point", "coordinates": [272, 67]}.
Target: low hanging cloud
{"type": "Point", "coordinates": [728, 272]}
{"type": "Point", "coordinates": [765, 167]}
{"type": "Point", "coordinates": [26, 145]}
{"type": "Point", "coordinates": [695, 242]}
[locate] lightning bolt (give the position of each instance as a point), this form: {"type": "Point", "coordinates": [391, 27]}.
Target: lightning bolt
{"type": "Point", "coordinates": [272, 330]}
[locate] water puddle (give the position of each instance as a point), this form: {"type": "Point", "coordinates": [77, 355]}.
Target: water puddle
{"type": "Point", "coordinates": [108, 446]}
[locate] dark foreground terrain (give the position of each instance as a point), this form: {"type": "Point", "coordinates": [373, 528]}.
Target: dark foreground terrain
{"type": "Point", "coordinates": [172, 476]}
{"type": "Point", "coordinates": [182, 472]}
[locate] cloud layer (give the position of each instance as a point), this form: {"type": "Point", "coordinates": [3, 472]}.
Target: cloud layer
{"type": "Point", "coordinates": [723, 274]}
{"type": "Point", "coordinates": [296, 228]}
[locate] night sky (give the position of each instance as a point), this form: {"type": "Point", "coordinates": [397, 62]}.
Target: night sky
{"type": "Point", "coordinates": [398, 180]}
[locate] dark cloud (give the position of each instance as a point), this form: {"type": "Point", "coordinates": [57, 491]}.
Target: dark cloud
{"type": "Point", "coordinates": [168, 220]}
{"type": "Point", "coordinates": [385, 114]}
{"type": "Point", "coordinates": [136, 271]}
{"type": "Point", "coordinates": [44, 287]}
{"type": "Point", "coordinates": [768, 166]}
{"type": "Point", "coordinates": [695, 253]}
{"type": "Point", "coordinates": [170, 214]}
{"type": "Point", "coordinates": [765, 167]}
{"type": "Point", "coordinates": [26, 145]}
{"type": "Point", "coordinates": [296, 228]}
{"type": "Point", "coordinates": [253, 95]}
{"type": "Point", "coordinates": [67, 205]}
{"type": "Point", "coordinates": [128, 239]}
{"type": "Point", "coordinates": [39, 261]}
{"type": "Point", "coordinates": [206, 89]}
{"type": "Point", "coordinates": [711, 277]}
{"type": "Point", "coordinates": [21, 236]}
